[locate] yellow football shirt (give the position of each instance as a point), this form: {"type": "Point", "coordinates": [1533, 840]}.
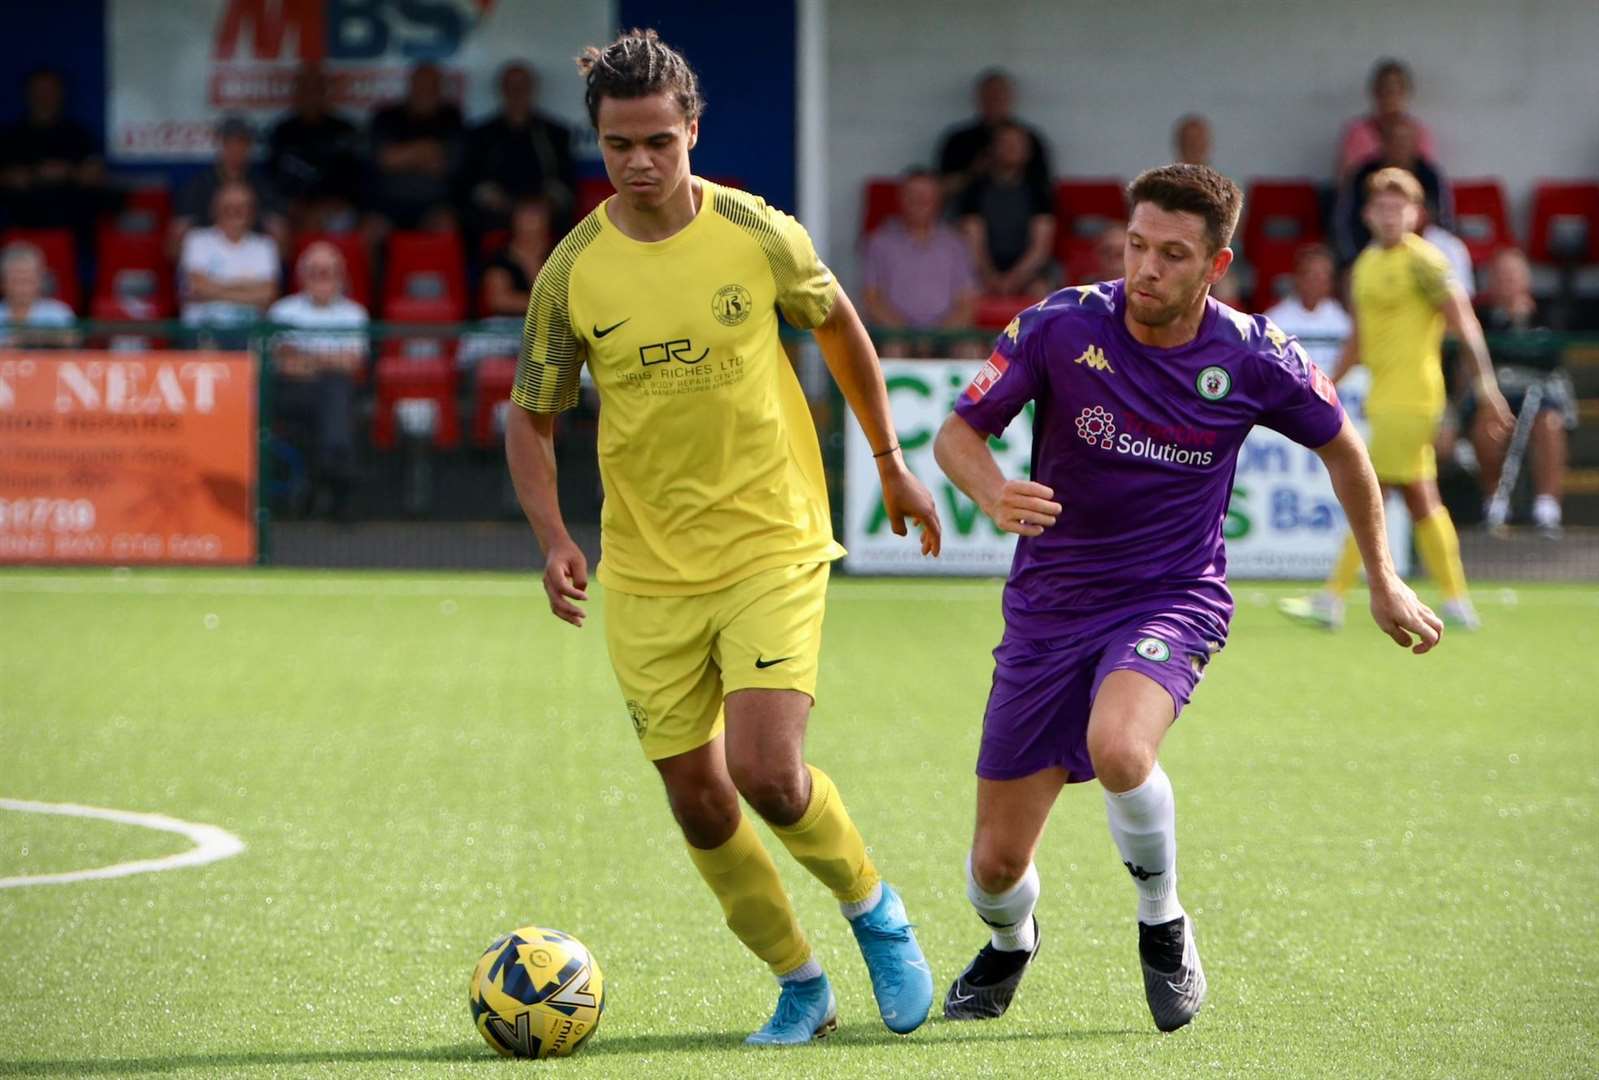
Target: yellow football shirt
{"type": "Point", "coordinates": [1398, 293]}
{"type": "Point", "coordinates": [708, 453]}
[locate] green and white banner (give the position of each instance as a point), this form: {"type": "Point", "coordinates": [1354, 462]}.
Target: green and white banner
{"type": "Point", "coordinates": [1283, 520]}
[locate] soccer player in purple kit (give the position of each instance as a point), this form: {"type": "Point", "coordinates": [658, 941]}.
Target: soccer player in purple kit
{"type": "Point", "coordinates": [1144, 389]}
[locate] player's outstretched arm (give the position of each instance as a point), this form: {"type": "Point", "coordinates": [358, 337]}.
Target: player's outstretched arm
{"type": "Point", "coordinates": [852, 359]}
{"type": "Point", "coordinates": [1462, 322]}
{"type": "Point", "coordinates": [1023, 507]}
{"type": "Point", "coordinates": [530, 453]}
{"type": "Point", "coordinates": [1394, 605]}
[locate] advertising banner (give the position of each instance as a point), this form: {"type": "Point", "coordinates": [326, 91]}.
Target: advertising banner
{"type": "Point", "coordinates": [178, 66]}
{"type": "Point", "coordinates": [1282, 522]}
{"type": "Point", "coordinates": [127, 458]}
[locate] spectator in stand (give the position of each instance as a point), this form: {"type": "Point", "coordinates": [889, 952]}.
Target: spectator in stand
{"type": "Point", "coordinates": [509, 276]}
{"type": "Point", "coordinates": [50, 166]}
{"type": "Point", "coordinates": [1191, 140]}
{"type": "Point", "coordinates": [1312, 313]}
{"type": "Point", "coordinates": [1391, 86]}
{"type": "Point", "coordinates": [1008, 216]}
{"type": "Point", "coordinates": [23, 303]}
{"type": "Point", "coordinates": [227, 273]}
{"type": "Point", "coordinates": [317, 363]}
{"type": "Point", "coordinates": [1525, 353]}
{"type": "Point", "coordinates": [918, 270]}
{"type": "Point", "coordinates": [965, 153]}
{"type": "Point", "coordinates": [315, 158]}
{"type": "Point", "coordinates": [519, 152]}
{"type": "Point", "coordinates": [1400, 149]}
{"type": "Point", "coordinates": [1110, 252]}
{"type": "Point", "coordinates": [416, 148]}
{"type": "Point", "coordinates": [193, 206]}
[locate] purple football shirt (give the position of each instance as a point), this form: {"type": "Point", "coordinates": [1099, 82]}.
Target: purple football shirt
{"type": "Point", "coordinates": [1139, 445]}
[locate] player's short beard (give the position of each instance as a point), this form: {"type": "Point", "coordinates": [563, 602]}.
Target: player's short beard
{"type": "Point", "coordinates": [1168, 314]}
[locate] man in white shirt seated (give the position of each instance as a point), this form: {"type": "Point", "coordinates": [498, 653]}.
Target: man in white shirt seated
{"type": "Point", "coordinates": [1312, 312]}
{"type": "Point", "coordinates": [23, 302]}
{"type": "Point", "coordinates": [228, 273]}
{"type": "Point", "coordinates": [317, 363]}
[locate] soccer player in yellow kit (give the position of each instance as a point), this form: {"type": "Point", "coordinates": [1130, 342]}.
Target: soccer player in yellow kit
{"type": "Point", "coordinates": [715, 528]}
{"type": "Point", "coordinates": [1404, 297]}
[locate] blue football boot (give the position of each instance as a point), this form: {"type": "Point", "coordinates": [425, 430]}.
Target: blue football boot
{"type": "Point", "coordinates": [805, 1011]}
{"type": "Point", "coordinates": [901, 980]}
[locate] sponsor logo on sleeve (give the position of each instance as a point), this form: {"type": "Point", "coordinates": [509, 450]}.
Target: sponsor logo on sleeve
{"type": "Point", "coordinates": [1322, 385]}
{"type": "Point", "coordinates": [985, 379]}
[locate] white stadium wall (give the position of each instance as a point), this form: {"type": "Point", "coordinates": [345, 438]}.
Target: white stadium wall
{"type": "Point", "coordinates": [1508, 88]}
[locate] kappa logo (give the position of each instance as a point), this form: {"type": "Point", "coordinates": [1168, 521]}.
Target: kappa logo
{"type": "Point", "coordinates": [1096, 426]}
{"type": "Point", "coordinates": [1014, 329]}
{"type": "Point", "coordinates": [1094, 357]}
{"type": "Point", "coordinates": [1140, 873]}
{"type": "Point", "coordinates": [985, 379]}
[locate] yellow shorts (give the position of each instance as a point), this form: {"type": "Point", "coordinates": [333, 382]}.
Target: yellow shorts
{"type": "Point", "coordinates": [677, 657]}
{"type": "Point", "coordinates": [1401, 446]}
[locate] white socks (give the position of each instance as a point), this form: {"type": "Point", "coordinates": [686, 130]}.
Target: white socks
{"type": "Point", "coordinates": [1143, 822]}
{"type": "Point", "coordinates": [1008, 914]}
{"type": "Point", "coordinates": [807, 971]}
{"type": "Point", "coordinates": [864, 904]}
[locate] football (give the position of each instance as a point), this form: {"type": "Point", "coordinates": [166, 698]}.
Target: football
{"type": "Point", "coordinates": [537, 993]}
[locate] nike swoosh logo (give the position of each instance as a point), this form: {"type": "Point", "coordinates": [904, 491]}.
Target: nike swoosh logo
{"type": "Point", "coordinates": [768, 663]}
{"type": "Point", "coordinates": [1188, 981]}
{"type": "Point", "coordinates": [892, 1014]}
{"type": "Point", "coordinates": [961, 999]}
{"type": "Point", "coordinates": [601, 333]}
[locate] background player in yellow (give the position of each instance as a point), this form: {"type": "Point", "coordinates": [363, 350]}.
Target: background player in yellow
{"type": "Point", "coordinates": [1404, 297]}
{"type": "Point", "coordinates": [715, 528]}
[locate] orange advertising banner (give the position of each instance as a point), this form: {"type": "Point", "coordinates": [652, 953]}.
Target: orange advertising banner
{"type": "Point", "coordinates": [126, 458]}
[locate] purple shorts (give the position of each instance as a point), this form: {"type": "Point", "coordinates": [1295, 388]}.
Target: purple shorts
{"type": "Point", "coordinates": [1037, 716]}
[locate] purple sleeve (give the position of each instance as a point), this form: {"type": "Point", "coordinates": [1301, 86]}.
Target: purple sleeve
{"type": "Point", "coordinates": [1008, 380]}
{"type": "Point", "coordinates": [1301, 401]}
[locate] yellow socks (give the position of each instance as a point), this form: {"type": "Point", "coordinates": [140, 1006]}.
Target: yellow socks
{"type": "Point", "coordinates": [827, 843]}
{"type": "Point", "coordinates": [744, 878]}
{"type": "Point", "coordinates": [1440, 553]}
{"type": "Point", "coordinates": [1346, 569]}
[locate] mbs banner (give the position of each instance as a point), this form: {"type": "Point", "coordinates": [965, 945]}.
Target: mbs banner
{"type": "Point", "coordinates": [127, 457]}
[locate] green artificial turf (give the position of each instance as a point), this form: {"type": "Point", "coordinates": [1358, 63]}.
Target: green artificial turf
{"type": "Point", "coordinates": [1390, 859]}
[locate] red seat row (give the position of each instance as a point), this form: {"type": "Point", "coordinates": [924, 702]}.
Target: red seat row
{"type": "Point", "coordinates": [1282, 215]}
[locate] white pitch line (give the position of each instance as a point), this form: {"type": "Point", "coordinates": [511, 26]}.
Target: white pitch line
{"type": "Point", "coordinates": [210, 843]}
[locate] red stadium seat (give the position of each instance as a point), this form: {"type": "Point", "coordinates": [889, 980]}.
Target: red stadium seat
{"type": "Point", "coordinates": [1565, 223]}
{"type": "Point", "coordinates": [424, 279]}
{"type": "Point", "coordinates": [145, 210]}
{"type": "Point", "coordinates": [1274, 278]}
{"type": "Point", "coordinates": [1280, 216]}
{"type": "Point", "coordinates": [133, 279]}
{"type": "Point", "coordinates": [420, 370]}
{"type": "Point", "coordinates": [60, 261]}
{"type": "Point", "coordinates": [491, 389]}
{"type": "Point", "coordinates": [357, 268]}
{"type": "Point", "coordinates": [1083, 210]}
{"type": "Point", "coordinates": [879, 202]}
{"type": "Point", "coordinates": [1480, 218]}
{"type": "Point", "coordinates": [996, 312]}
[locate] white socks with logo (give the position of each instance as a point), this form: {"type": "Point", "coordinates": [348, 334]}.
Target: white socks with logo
{"type": "Point", "coordinates": [1008, 914]}
{"type": "Point", "coordinates": [1143, 822]}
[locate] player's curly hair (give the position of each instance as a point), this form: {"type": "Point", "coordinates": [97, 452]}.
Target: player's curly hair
{"type": "Point", "coordinates": [639, 64]}
{"type": "Point", "coordinates": [1193, 189]}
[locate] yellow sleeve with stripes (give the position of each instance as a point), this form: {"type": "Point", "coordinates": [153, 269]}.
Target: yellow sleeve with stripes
{"type": "Point", "coordinates": [805, 286]}
{"type": "Point", "coordinates": [1433, 273]}
{"type": "Point", "coordinates": [548, 371]}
